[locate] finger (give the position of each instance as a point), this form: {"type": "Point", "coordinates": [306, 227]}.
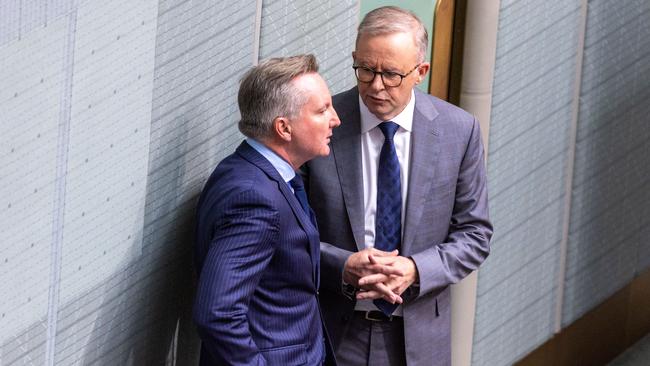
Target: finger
{"type": "Point", "coordinates": [372, 279]}
{"type": "Point", "coordinates": [376, 291]}
{"type": "Point", "coordinates": [373, 259]}
{"type": "Point", "coordinates": [373, 294]}
{"type": "Point", "coordinates": [368, 295]}
{"type": "Point", "coordinates": [386, 293]}
{"type": "Point", "coordinates": [397, 299]}
{"type": "Point", "coordinates": [382, 260]}
{"type": "Point", "coordinates": [387, 270]}
{"type": "Point", "coordinates": [381, 253]}
{"type": "Point", "coordinates": [398, 288]}
{"type": "Point", "coordinates": [382, 265]}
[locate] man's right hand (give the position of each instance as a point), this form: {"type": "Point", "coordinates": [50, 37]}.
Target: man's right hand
{"type": "Point", "coordinates": [359, 265]}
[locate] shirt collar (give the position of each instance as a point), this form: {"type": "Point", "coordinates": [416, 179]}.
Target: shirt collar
{"type": "Point", "coordinates": [286, 171]}
{"type": "Point", "coordinates": [404, 119]}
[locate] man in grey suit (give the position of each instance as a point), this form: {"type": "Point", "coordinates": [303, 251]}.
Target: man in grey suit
{"type": "Point", "coordinates": [401, 203]}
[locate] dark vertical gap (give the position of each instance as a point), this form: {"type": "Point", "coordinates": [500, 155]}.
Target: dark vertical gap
{"type": "Point", "coordinates": [458, 40]}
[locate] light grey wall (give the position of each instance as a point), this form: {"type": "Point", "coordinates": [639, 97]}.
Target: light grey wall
{"type": "Point", "coordinates": [529, 137]}
{"type": "Point", "coordinates": [326, 28]}
{"type": "Point", "coordinates": [534, 156]}
{"type": "Point", "coordinates": [112, 114]}
{"type": "Point", "coordinates": [609, 237]}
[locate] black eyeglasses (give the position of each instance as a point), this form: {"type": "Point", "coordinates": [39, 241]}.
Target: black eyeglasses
{"type": "Point", "coordinates": [389, 78]}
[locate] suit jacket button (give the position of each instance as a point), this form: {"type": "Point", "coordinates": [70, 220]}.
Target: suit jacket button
{"type": "Point", "coordinates": [345, 318]}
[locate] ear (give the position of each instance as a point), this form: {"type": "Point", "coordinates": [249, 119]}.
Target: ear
{"type": "Point", "coordinates": [422, 71]}
{"type": "Point", "coordinates": [282, 128]}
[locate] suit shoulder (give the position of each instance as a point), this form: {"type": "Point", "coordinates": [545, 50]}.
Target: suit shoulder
{"type": "Point", "coordinates": [234, 177]}
{"type": "Point", "coordinates": [233, 170]}
{"type": "Point", "coordinates": [445, 112]}
{"type": "Point", "coordinates": [345, 97]}
{"type": "Point", "coordinates": [446, 109]}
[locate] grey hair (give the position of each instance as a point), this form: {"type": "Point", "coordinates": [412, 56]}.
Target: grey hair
{"type": "Point", "coordinates": [391, 19]}
{"type": "Point", "coordinates": [267, 92]}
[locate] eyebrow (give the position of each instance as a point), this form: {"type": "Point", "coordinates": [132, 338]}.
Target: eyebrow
{"type": "Point", "coordinates": [385, 69]}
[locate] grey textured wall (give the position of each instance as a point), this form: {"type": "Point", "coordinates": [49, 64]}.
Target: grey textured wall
{"type": "Point", "coordinates": [609, 236]}
{"type": "Point", "coordinates": [534, 156]}
{"type": "Point", "coordinates": [529, 138]}
{"type": "Point", "coordinates": [112, 114]}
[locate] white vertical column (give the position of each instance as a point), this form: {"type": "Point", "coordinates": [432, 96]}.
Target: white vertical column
{"type": "Point", "coordinates": [60, 184]}
{"type": "Point", "coordinates": [258, 31]}
{"type": "Point", "coordinates": [575, 107]}
{"type": "Point", "coordinates": [481, 24]}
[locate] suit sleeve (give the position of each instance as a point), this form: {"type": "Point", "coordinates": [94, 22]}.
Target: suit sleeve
{"type": "Point", "coordinates": [332, 258]}
{"type": "Point", "coordinates": [467, 244]}
{"type": "Point", "coordinates": [241, 248]}
{"type": "Point", "coordinates": [332, 264]}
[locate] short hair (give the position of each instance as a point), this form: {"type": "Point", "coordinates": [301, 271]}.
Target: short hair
{"type": "Point", "coordinates": [391, 19]}
{"type": "Point", "coordinates": [266, 92]}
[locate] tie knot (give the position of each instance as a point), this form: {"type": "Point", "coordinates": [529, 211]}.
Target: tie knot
{"type": "Point", "coordinates": [388, 128]}
{"type": "Point", "coordinates": [296, 183]}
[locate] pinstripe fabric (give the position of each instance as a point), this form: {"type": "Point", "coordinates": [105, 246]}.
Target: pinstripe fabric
{"type": "Point", "coordinates": [256, 302]}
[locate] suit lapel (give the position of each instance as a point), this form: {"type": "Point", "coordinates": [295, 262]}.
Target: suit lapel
{"type": "Point", "coordinates": [260, 161]}
{"type": "Point", "coordinates": [425, 145]}
{"type": "Point", "coordinates": [307, 226]}
{"type": "Point", "coordinates": [346, 150]}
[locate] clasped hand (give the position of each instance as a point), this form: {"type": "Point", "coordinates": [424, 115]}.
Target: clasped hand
{"type": "Point", "coordinates": [380, 274]}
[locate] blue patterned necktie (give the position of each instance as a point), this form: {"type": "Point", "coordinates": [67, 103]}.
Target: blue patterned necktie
{"type": "Point", "coordinates": [388, 217]}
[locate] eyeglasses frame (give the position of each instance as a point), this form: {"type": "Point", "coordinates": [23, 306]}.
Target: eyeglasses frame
{"type": "Point", "coordinates": [381, 73]}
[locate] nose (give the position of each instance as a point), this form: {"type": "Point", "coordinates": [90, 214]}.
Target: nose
{"type": "Point", "coordinates": [377, 82]}
{"type": "Point", "coordinates": [335, 121]}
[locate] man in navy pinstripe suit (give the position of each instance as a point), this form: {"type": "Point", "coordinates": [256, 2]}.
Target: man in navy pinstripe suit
{"type": "Point", "coordinates": [257, 249]}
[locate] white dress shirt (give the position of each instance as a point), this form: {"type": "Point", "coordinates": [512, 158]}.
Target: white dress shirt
{"type": "Point", "coordinates": [372, 140]}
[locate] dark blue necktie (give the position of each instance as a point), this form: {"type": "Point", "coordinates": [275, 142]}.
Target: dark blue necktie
{"type": "Point", "coordinates": [388, 217]}
{"type": "Point", "coordinates": [299, 191]}
{"type": "Point", "coordinates": [301, 195]}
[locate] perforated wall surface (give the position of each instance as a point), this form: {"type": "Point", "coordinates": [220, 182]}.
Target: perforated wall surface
{"type": "Point", "coordinates": [534, 156]}
{"type": "Point", "coordinates": [529, 138]}
{"type": "Point", "coordinates": [610, 224]}
{"type": "Point", "coordinates": [112, 114]}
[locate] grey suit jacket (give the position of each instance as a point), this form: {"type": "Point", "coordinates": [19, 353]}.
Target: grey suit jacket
{"type": "Point", "coordinates": [446, 227]}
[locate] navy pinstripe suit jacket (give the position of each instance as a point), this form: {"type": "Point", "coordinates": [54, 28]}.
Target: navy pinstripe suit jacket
{"type": "Point", "coordinates": [255, 252]}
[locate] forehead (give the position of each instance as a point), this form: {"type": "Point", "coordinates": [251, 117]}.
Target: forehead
{"type": "Point", "coordinates": [311, 83]}
{"type": "Point", "coordinates": [312, 87]}
{"type": "Point", "coordinates": [394, 48]}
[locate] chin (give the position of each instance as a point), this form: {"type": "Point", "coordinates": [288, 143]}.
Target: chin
{"type": "Point", "coordinates": [325, 151]}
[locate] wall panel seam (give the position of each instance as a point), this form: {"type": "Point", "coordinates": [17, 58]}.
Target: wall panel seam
{"type": "Point", "coordinates": [60, 188]}
{"type": "Point", "coordinates": [258, 31]}
{"type": "Point", "coordinates": [575, 109]}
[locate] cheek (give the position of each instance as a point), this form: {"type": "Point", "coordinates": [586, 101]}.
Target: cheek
{"type": "Point", "coordinates": [363, 88]}
{"type": "Point", "coordinates": [396, 97]}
